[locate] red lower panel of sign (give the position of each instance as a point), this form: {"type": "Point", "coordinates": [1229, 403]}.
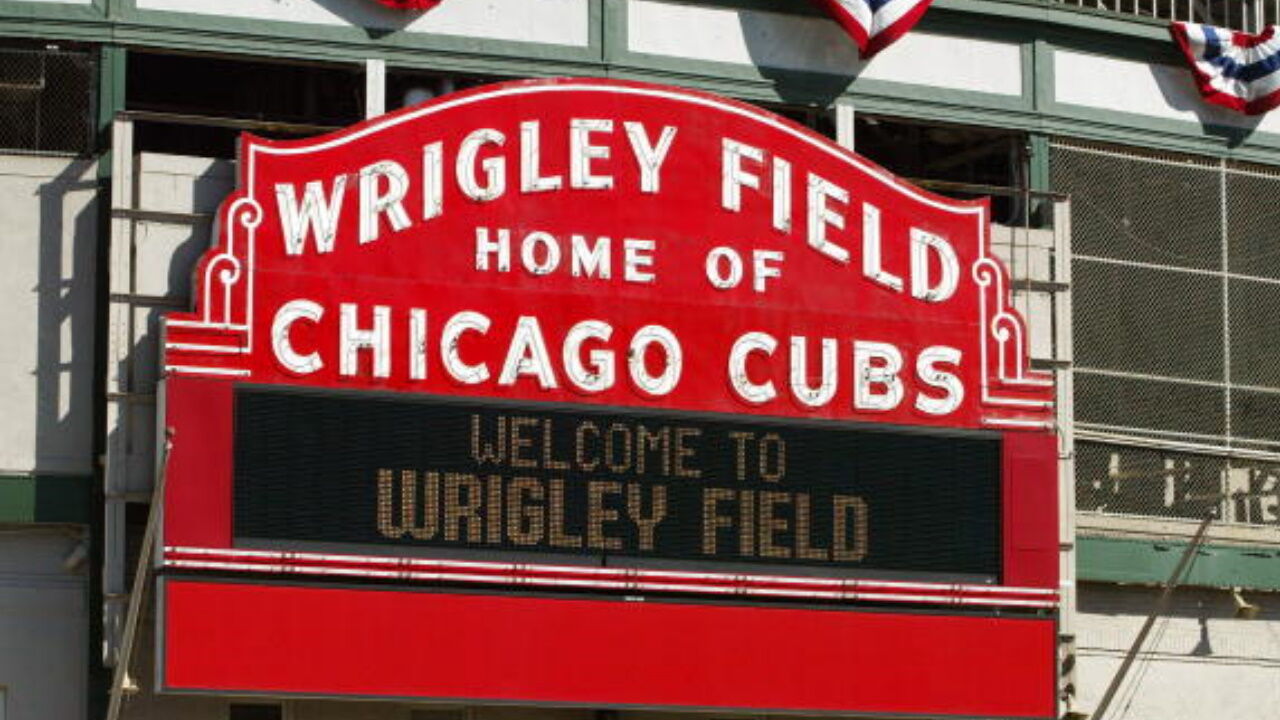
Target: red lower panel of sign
{"type": "Point", "coordinates": [240, 637]}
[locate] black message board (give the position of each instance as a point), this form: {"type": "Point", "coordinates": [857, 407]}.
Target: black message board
{"type": "Point", "coordinates": [613, 486]}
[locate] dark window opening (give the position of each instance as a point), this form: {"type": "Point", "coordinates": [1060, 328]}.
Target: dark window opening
{"type": "Point", "coordinates": [819, 120]}
{"type": "Point", "coordinates": [200, 105]}
{"type": "Point", "coordinates": [135, 530]}
{"type": "Point", "coordinates": [945, 158]}
{"type": "Point", "coordinates": [411, 87]}
{"type": "Point", "coordinates": [47, 98]}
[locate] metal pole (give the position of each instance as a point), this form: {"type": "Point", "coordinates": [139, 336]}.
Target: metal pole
{"type": "Point", "coordinates": [845, 114]}
{"type": "Point", "coordinates": [137, 593]}
{"type": "Point", "coordinates": [1161, 604]}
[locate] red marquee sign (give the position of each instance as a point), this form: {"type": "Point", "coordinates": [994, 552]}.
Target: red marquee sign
{"type": "Point", "coordinates": [605, 340]}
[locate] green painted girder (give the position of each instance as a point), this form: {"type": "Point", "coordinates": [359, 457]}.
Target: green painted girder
{"type": "Point", "coordinates": [1149, 562]}
{"type": "Point", "coordinates": [45, 498]}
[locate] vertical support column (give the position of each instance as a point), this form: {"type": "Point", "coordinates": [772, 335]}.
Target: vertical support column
{"type": "Point", "coordinates": [1038, 162]}
{"type": "Point", "coordinates": [109, 102]}
{"type": "Point", "coordinates": [375, 88]}
{"type": "Point", "coordinates": [1038, 179]}
{"type": "Point", "coordinates": [119, 332]}
{"type": "Point", "coordinates": [1225, 505]}
{"type": "Point", "coordinates": [844, 123]}
{"type": "Point", "coordinates": [1064, 354]}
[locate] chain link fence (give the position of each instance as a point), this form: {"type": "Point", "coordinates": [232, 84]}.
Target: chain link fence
{"type": "Point", "coordinates": [46, 100]}
{"type": "Point", "coordinates": [1176, 292]}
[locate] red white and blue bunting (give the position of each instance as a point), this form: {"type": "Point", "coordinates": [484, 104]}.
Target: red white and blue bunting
{"type": "Point", "coordinates": [1233, 69]}
{"type": "Point", "coordinates": [874, 24]}
{"type": "Point", "coordinates": [410, 4]}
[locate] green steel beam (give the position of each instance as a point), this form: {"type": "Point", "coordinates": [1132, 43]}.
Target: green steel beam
{"type": "Point", "coordinates": [1149, 562]}
{"type": "Point", "coordinates": [44, 499]}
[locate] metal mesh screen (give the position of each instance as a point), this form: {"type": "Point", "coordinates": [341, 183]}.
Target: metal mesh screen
{"type": "Point", "coordinates": [1148, 321]}
{"type": "Point", "coordinates": [46, 100]}
{"type": "Point", "coordinates": [1161, 211]}
{"type": "Point", "coordinates": [1176, 291]}
{"type": "Point", "coordinates": [1252, 217]}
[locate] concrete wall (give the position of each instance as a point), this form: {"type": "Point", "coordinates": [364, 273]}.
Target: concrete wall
{"type": "Point", "coordinates": [1198, 662]}
{"type": "Point", "coordinates": [762, 39]}
{"type": "Point", "coordinates": [44, 625]}
{"type": "Point", "coordinates": [48, 244]}
{"type": "Point", "coordinates": [561, 22]}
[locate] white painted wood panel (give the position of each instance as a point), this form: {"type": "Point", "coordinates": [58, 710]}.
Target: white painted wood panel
{"type": "Point", "coordinates": [1142, 88]}
{"type": "Point", "coordinates": [48, 241]}
{"type": "Point", "coordinates": [44, 626]}
{"type": "Point", "coordinates": [815, 44]}
{"type": "Point", "coordinates": [556, 22]}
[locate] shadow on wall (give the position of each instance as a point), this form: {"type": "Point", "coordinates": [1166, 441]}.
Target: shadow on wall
{"type": "Point", "coordinates": [1178, 88]}
{"type": "Point", "coordinates": [68, 240]}
{"type": "Point", "coordinates": [163, 260]}
{"type": "Point", "coordinates": [377, 20]}
{"type": "Point", "coordinates": [778, 49]}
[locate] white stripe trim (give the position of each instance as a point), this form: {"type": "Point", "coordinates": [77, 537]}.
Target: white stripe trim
{"type": "Point", "coordinates": [1017, 423]}
{"type": "Point", "coordinates": [201, 324]}
{"type": "Point", "coordinates": [196, 347]}
{"type": "Point", "coordinates": [860, 12]}
{"type": "Point", "coordinates": [195, 370]}
{"type": "Point", "coordinates": [290, 560]}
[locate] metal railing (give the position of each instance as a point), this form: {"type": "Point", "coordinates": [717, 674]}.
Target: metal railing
{"type": "Point", "coordinates": [1246, 15]}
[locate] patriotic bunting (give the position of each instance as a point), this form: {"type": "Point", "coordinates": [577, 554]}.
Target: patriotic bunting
{"type": "Point", "coordinates": [1233, 69]}
{"type": "Point", "coordinates": [874, 24]}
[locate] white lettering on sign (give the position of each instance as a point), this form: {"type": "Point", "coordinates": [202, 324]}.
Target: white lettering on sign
{"type": "Point", "coordinates": [316, 217]}
{"type": "Point", "coordinates": [734, 176]}
{"type": "Point", "coordinates": [801, 389]}
{"type": "Point", "coordinates": [527, 355]}
{"type": "Point", "coordinates": [924, 244]}
{"type": "Point", "coordinates": [637, 259]}
{"type": "Point", "coordinates": [494, 168]}
{"type": "Point", "coordinates": [417, 344]}
{"type": "Point", "coordinates": [588, 361]}
{"type": "Point", "coordinates": [876, 385]}
{"type": "Point", "coordinates": [648, 155]}
{"type": "Point", "coordinates": [289, 313]}
{"type": "Point", "coordinates": [821, 217]}
{"type": "Point", "coordinates": [930, 374]}
{"type": "Point", "coordinates": [724, 268]}
{"type": "Point", "coordinates": [655, 358]}
{"type": "Point", "coordinates": [826, 206]}
{"type": "Point", "coordinates": [542, 253]}
{"type": "Point", "coordinates": [872, 266]}
{"type": "Point", "coordinates": [752, 392]}
{"type": "Point", "coordinates": [582, 153]}
{"type": "Point", "coordinates": [664, 341]}
{"type": "Point", "coordinates": [352, 339]}
{"type": "Point", "coordinates": [600, 375]}
{"type": "Point", "coordinates": [482, 159]}
{"type": "Point", "coordinates": [383, 186]}
{"type": "Point", "coordinates": [591, 261]}
{"type": "Point", "coordinates": [531, 179]}
{"type": "Point", "coordinates": [432, 180]}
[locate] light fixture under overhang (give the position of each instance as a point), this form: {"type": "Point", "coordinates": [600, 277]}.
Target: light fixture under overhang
{"type": "Point", "coordinates": [1245, 610]}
